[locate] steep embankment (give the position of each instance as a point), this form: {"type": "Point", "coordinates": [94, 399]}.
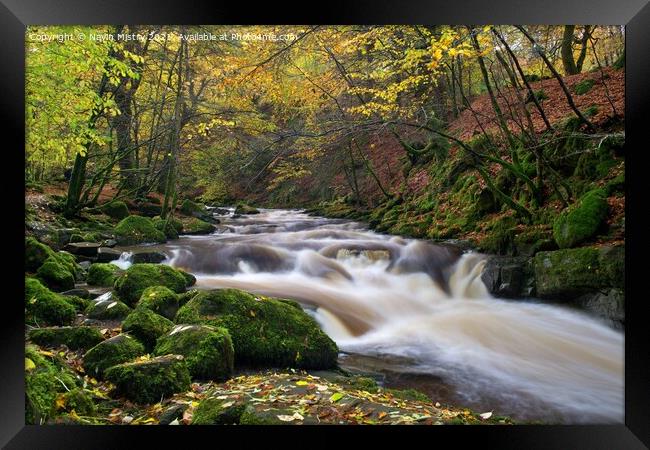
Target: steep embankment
{"type": "Point", "coordinates": [443, 196]}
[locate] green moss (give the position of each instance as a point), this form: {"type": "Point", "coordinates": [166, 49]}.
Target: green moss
{"type": "Point", "coordinates": [188, 207]}
{"type": "Point", "coordinates": [584, 86]}
{"type": "Point", "coordinates": [582, 220]}
{"type": "Point", "coordinates": [212, 412]}
{"type": "Point", "coordinates": [102, 274]}
{"type": "Point", "coordinates": [197, 226]}
{"type": "Point", "coordinates": [79, 304]}
{"type": "Point", "coordinates": [44, 307]}
{"type": "Point", "coordinates": [190, 279]}
{"type": "Point", "coordinates": [572, 272]}
{"type": "Point", "coordinates": [116, 209]}
{"type": "Point", "coordinates": [243, 208]}
{"type": "Point", "coordinates": [208, 351]}
{"type": "Point", "coordinates": [409, 394]}
{"type": "Point", "coordinates": [36, 254]}
{"type": "Point", "coordinates": [160, 300]}
{"type": "Point", "coordinates": [171, 227]}
{"type": "Point", "coordinates": [146, 326]}
{"type": "Point", "coordinates": [73, 337]}
{"type": "Point", "coordinates": [111, 309]}
{"type": "Point", "coordinates": [45, 379]}
{"type": "Point", "coordinates": [116, 350]}
{"type": "Point", "coordinates": [148, 381]}
{"type": "Point", "coordinates": [130, 285]}
{"type": "Point", "coordinates": [56, 275]}
{"type": "Point", "coordinates": [541, 95]}
{"type": "Point", "coordinates": [500, 238]}
{"type": "Point", "coordinates": [264, 331]}
{"type": "Point", "coordinates": [136, 230]}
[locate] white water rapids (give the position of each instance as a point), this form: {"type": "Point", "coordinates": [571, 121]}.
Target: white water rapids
{"type": "Point", "coordinates": [421, 308]}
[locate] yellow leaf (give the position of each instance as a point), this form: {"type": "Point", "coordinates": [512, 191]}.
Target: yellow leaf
{"type": "Point", "coordinates": [382, 414]}
{"type": "Point", "coordinates": [336, 397]}
{"type": "Point", "coordinates": [301, 383]}
{"type": "Point", "coordinates": [29, 365]}
{"type": "Point", "coordinates": [60, 401]}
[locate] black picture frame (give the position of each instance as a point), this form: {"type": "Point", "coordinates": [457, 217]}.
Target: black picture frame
{"type": "Point", "coordinates": [635, 14]}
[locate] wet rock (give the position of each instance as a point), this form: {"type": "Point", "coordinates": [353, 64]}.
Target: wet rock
{"type": "Point", "coordinates": [77, 292]}
{"type": "Point", "coordinates": [509, 277]}
{"type": "Point", "coordinates": [83, 248]}
{"type": "Point", "coordinates": [105, 254]}
{"type": "Point", "coordinates": [109, 243]}
{"type": "Point", "coordinates": [85, 265]}
{"type": "Point", "coordinates": [609, 305]}
{"type": "Point", "coordinates": [108, 310]}
{"type": "Point", "coordinates": [148, 257]}
{"type": "Point", "coordinates": [173, 413]}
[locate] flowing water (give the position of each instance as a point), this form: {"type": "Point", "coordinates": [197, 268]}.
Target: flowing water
{"type": "Point", "coordinates": [418, 314]}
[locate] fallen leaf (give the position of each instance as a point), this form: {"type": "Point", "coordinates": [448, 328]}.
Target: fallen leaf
{"type": "Point", "coordinates": [336, 397]}
{"type": "Point", "coordinates": [301, 383]}
{"type": "Point", "coordinates": [286, 418]}
{"type": "Point", "coordinates": [174, 422]}
{"type": "Point", "coordinates": [382, 414]}
{"type": "Point", "coordinates": [29, 365]}
{"type": "Point", "coordinates": [486, 415]}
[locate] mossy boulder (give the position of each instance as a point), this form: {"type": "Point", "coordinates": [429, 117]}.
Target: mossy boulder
{"type": "Point", "coordinates": [73, 337]}
{"type": "Point", "coordinates": [116, 350]}
{"type": "Point", "coordinates": [582, 220]}
{"type": "Point", "coordinates": [45, 377]}
{"type": "Point", "coordinates": [208, 350]}
{"type": "Point", "coordinates": [149, 380]}
{"type": "Point", "coordinates": [116, 209]}
{"type": "Point", "coordinates": [131, 284]}
{"type": "Point", "coordinates": [44, 307]}
{"type": "Point", "coordinates": [146, 326]}
{"type": "Point", "coordinates": [56, 275]}
{"type": "Point", "coordinates": [188, 208]}
{"type": "Point", "coordinates": [214, 411]}
{"type": "Point", "coordinates": [160, 300]}
{"type": "Point", "coordinates": [171, 227]}
{"type": "Point", "coordinates": [36, 253]}
{"type": "Point", "coordinates": [109, 309]}
{"type": "Point", "coordinates": [136, 230]}
{"type": "Point", "coordinates": [80, 401]}
{"type": "Point", "coordinates": [264, 331]}
{"type": "Point", "coordinates": [566, 274]}
{"type": "Point", "coordinates": [102, 274]}
{"type": "Point", "coordinates": [197, 226]}
{"type": "Point", "coordinates": [243, 208]}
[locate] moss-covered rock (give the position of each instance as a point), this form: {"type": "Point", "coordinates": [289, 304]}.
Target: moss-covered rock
{"type": "Point", "coordinates": [146, 326]}
{"type": "Point", "coordinates": [73, 337]}
{"type": "Point", "coordinates": [584, 86]}
{"type": "Point", "coordinates": [190, 279]}
{"type": "Point", "coordinates": [171, 227]}
{"type": "Point", "coordinates": [130, 285]}
{"type": "Point", "coordinates": [160, 300]}
{"type": "Point", "coordinates": [116, 350]}
{"type": "Point", "coordinates": [44, 307]}
{"type": "Point", "coordinates": [213, 411]}
{"type": "Point", "coordinates": [264, 331]}
{"type": "Point", "coordinates": [45, 378]}
{"type": "Point", "coordinates": [569, 273]}
{"type": "Point", "coordinates": [188, 207]}
{"type": "Point", "coordinates": [136, 230]}
{"type": "Point", "coordinates": [36, 253]}
{"type": "Point", "coordinates": [147, 381]}
{"type": "Point", "coordinates": [197, 226]}
{"type": "Point", "coordinates": [116, 209]}
{"type": "Point", "coordinates": [582, 220]}
{"type": "Point", "coordinates": [79, 401]}
{"type": "Point", "coordinates": [56, 275]}
{"type": "Point", "coordinates": [102, 274]}
{"type": "Point", "coordinates": [208, 350]}
{"type": "Point", "coordinates": [109, 309]}
{"type": "Point", "coordinates": [243, 208]}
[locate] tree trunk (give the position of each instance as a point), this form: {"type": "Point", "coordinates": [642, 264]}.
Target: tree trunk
{"type": "Point", "coordinates": [568, 63]}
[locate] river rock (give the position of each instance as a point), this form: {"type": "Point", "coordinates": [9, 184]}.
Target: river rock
{"type": "Point", "coordinates": [83, 248]}
{"type": "Point", "coordinates": [145, 256]}
{"type": "Point", "coordinates": [77, 292]}
{"type": "Point", "coordinates": [116, 350]}
{"type": "Point", "coordinates": [105, 254]}
{"type": "Point", "coordinates": [509, 277]}
{"type": "Point", "coordinates": [208, 350]}
{"type": "Point", "coordinates": [265, 332]}
{"type": "Point", "coordinates": [609, 305]}
{"type": "Point", "coordinates": [73, 337]}
{"type": "Point", "coordinates": [109, 243]}
{"type": "Point", "coordinates": [148, 381]}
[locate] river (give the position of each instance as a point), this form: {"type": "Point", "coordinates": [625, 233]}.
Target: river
{"type": "Point", "coordinates": [416, 314]}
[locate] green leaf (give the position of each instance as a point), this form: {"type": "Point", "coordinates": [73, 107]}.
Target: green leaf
{"type": "Point", "coordinates": [336, 397]}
